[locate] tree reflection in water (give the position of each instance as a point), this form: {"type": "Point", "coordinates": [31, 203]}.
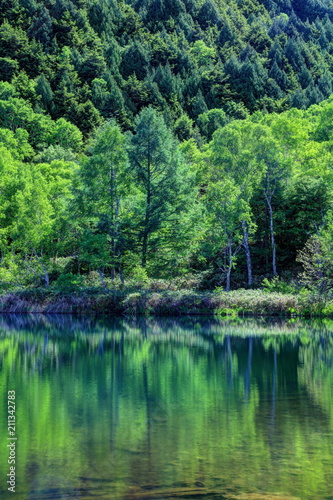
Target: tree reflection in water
{"type": "Point", "coordinates": [153, 408]}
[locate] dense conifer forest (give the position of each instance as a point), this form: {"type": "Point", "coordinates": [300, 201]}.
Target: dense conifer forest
{"type": "Point", "coordinates": [167, 144]}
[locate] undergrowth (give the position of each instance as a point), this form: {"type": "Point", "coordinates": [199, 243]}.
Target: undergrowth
{"type": "Point", "coordinates": [166, 302]}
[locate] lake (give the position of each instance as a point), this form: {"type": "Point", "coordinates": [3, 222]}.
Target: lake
{"type": "Point", "coordinates": [148, 408]}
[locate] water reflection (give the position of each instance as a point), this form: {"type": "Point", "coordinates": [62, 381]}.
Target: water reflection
{"type": "Point", "coordinates": [161, 408]}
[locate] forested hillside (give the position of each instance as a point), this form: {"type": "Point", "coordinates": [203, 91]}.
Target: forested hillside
{"type": "Point", "coordinates": [163, 139]}
{"type": "Point", "coordinates": [89, 61]}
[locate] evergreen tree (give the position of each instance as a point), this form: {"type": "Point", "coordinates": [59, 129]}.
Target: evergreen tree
{"type": "Point", "coordinates": [199, 105]}
{"type": "Point", "coordinates": [165, 81]}
{"type": "Point", "coordinates": [294, 56]}
{"type": "Point", "coordinates": [8, 68]}
{"type": "Point", "coordinates": [208, 15]}
{"type": "Point", "coordinates": [211, 121]}
{"type": "Point", "coordinates": [227, 34]}
{"type": "Point", "coordinates": [278, 75]}
{"type": "Point", "coordinates": [43, 89]}
{"type": "Point", "coordinates": [305, 78]}
{"type": "Point", "coordinates": [300, 100]}
{"type": "Point", "coordinates": [135, 61]}
{"type": "Point", "coordinates": [103, 178]}
{"type": "Point", "coordinates": [42, 29]}
{"type": "Point", "coordinates": [325, 84]}
{"type": "Point", "coordinates": [161, 178]}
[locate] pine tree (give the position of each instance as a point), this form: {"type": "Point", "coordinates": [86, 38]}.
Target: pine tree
{"type": "Point", "coordinates": [227, 34]}
{"type": "Point", "coordinates": [8, 68]}
{"type": "Point", "coordinates": [299, 99]}
{"type": "Point", "coordinates": [313, 94]}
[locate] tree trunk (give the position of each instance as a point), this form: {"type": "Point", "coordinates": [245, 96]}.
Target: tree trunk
{"type": "Point", "coordinates": [113, 215]}
{"type": "Point", "coordinates": [230, 359]}
{"type": "Point", "coordinates": [246, 247]}
{"type": "Point", "coordinates": [121, 275]}
{"type": "Point", "coordinates": [113, 271]}
{"type": "Point", "coordinates": [101, 277]}
{"type": "Point", "coordinates": [144, 249]}
{"type": "Point", "coordinates": [46, 273]}
{"type": "Point", "coordinates": [319, 266]}
{"type": "Point", "coordinates": [230, 258]}
{"type": "Point", "coordinates": [46, 277]}
{"type": "Point", "coordinates": [148, 413]}
{"type": "Point", "coordinates": [271, 230]}
{"type": "Point", "coordinates": [120, 269]}
{"type": "Point", "coordinates": [247, 381]}
{"type": "Point", "coordinates": [274, 384]}
{"type": "Point", "coordinates": [147, 217]}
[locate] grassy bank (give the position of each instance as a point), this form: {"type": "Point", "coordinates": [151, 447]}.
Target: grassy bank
{"type": "Point", "coordinates": [164, 303]}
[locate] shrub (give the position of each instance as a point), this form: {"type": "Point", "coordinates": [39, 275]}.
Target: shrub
{"type": "Point", "coordinates": [139, 274]}
{"type": "Point", "coordinates": [278, 285]}
{"type": "Point", "coordinates": [68, 283]}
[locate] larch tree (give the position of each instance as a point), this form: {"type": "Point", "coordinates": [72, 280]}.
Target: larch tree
{"type": "Point", "coordinates": [103, 177]}
{"type": "Point", "coordinates": [164, 182]}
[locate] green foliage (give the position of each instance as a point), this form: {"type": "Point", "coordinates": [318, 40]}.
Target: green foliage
{"type": "Point", "coordinates": [165, 186]}
{"type": "Point", "coordinates": [91, 172]}
{"type": "Point", "coordinates": [104, 179]}
{"type": "Point", "coordinates": [210, 121]}
{"type": "Point", "coordinates": [183, 128]}
{"type": "Point", "coordinates": [139, 274]}
{"type": "Point", "coordinates": [8, 67]}
{"type": "Point", "coordinates": [202, 56]}
{"type": "Point", "coordinates": [68, 283]}
{"type": "Point", "coordinates": [277, 285]}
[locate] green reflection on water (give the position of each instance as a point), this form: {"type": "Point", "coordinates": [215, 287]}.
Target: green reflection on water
{"type": "Point", "coordinates": [154, 408]}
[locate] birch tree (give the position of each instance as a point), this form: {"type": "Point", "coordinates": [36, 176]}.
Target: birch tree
{"type": "Point", "coordinates": [225, 212]}
{"type": "Point", "coordinates": [232, 156]}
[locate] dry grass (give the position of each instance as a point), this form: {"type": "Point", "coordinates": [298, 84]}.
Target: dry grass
{"type": "Point", "coordinates": [165, 302]}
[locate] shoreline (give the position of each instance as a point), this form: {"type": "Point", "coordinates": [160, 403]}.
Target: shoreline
{"type": "Point", "coordinates": [237, 303]}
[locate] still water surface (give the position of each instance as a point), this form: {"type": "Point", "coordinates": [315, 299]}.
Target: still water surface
{"type": "Point", "coordinates": [162, 408]}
